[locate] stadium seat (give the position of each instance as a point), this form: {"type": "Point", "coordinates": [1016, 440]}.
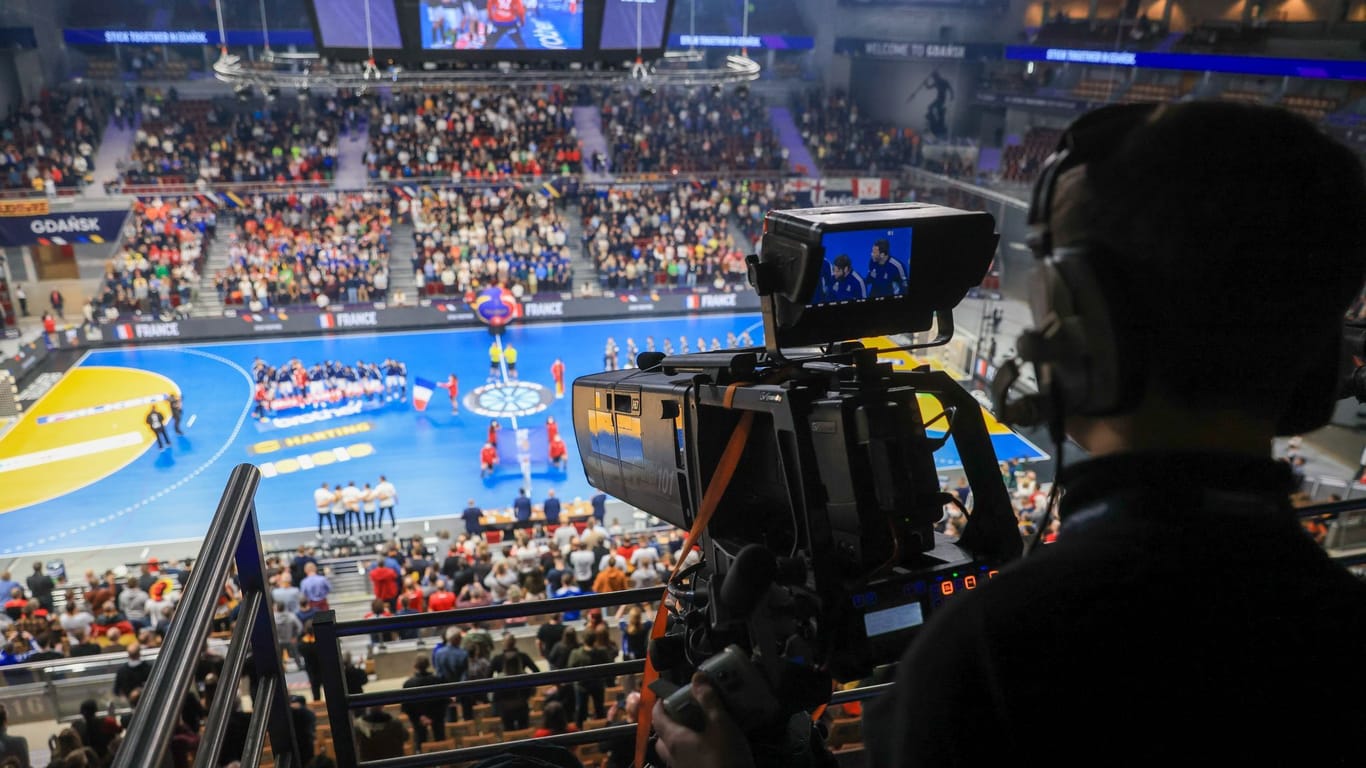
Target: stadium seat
{"type": "Point", "coordinates": [438, 746]}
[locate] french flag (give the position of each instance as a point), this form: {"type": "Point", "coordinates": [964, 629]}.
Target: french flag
{"type": "Point", "coordinates": [124, 331]}
{"type": "Point", "coordinates": [326, 320]}
{"type": "Point", "coordinates": [694, 301]}
{"type": "Point", "coordinates": [422, 393]}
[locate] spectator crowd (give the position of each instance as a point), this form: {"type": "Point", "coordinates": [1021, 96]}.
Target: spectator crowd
{"type": "Point", "coordinates": [185, 141]}
{"type": "Point", "coordinates": [642, 238]}
{"type": "Point", "coordinates": [681, 130]}
{"type": "Point", "coordinates": [468, 239]}
{"type": "Point", "coordinates": [839, 137]}
{"type": "Point", "coordinates": [49, 143]}
{"type": "Point", "coordinates": [307, 248]}
{"type": "Point", "coordinates": [476, 135]}
{"type": "Point", "coordinates": [156, 267]}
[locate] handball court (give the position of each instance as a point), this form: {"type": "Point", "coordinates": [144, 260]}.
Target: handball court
{"type": "Point", "coordinates": [81, 470]}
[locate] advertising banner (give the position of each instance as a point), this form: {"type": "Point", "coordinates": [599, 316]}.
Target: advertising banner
{"type": "Point", "coordinates": [62, 228]}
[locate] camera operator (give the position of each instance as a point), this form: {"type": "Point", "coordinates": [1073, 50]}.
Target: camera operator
{"type": "Point", "coordinates": [1201, 257]}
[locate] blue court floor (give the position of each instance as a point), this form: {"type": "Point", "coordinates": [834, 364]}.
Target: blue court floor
{"type": "Point", "coordinates": [431, 456]}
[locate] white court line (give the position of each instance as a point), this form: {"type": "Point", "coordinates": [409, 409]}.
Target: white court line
{"type": "Point", "coordinates": [190, 422]}
{"type": "Point", "coordinates": [95, 410]}
{"type": "Point", "coordinates": [71, 451]}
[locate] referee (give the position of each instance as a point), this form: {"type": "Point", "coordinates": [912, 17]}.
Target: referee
{"type": "Point", "coordinates": [177, 408]}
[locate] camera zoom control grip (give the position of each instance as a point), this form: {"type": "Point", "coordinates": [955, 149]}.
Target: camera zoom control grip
{"type": "Point", "coordinates": [680, 705]}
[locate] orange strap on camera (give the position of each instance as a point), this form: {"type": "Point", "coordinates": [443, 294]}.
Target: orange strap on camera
{"type": "Point", "coordinates": [725, 471]}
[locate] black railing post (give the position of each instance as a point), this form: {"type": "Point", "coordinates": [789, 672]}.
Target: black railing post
{"type": "Point", "coordinates": [265, 648]}
{"type": "Point", "coordinates": [333, 672]}
{"type": "Point", "coordinates": [221, 708]}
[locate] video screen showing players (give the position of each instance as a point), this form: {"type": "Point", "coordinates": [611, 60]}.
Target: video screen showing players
{"type": "Point", "coordinates": [341, 24]}
{"type": "Point", "coordinates": [864, 264]}
{"type": "Point", "coordinates": [504, 25]}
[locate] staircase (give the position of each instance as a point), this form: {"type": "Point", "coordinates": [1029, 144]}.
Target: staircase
{"type": "Point", "coordinates": [799, 159]}
{"type": "Point", "coordinates": [588, 125]}
{"type": "Point", "coordinates": [585, 279]}
{"type": "Point", "coordinates": [206, 302]}
{"type": "Point", "coordinates": [351, 171]}
{"type": "Point", "coordinates": [402, 250]}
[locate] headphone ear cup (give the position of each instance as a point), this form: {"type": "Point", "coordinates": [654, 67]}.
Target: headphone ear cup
{"type": "Point", "coordinates": [1077, 308]}
{"type": "Point", "coordinates": [1310, 404]}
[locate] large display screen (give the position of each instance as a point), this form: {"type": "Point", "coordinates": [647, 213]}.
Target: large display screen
{"type": "Point", "coordinates": [341, 24]}
{"type": "Point", "coordinates": [632, 24]}
{"type": "Point", "coordinates": [864, 264]}
{"type": "Point", "coordinates": [504, 25]}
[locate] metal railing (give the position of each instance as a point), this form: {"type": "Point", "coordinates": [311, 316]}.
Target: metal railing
{"type": "Point", "coordinates": [234, 535]}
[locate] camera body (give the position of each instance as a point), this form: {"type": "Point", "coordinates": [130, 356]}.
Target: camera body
{"type": "Point", "coordinates": [821, 561]}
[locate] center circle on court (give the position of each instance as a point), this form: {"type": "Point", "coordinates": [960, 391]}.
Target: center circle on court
{"type": "Point", "coordinates": [509, 399]}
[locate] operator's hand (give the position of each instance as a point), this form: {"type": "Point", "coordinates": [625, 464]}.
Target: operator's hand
{"type": "Point", "coordinates": [720, 744]}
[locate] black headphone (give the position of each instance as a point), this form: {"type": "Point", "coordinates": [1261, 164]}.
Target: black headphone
{"type": "Point", "coordinates": [1084, 345]}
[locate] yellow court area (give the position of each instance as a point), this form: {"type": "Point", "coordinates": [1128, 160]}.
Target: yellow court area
{"type": "Point", "coordinates": [91, 425]}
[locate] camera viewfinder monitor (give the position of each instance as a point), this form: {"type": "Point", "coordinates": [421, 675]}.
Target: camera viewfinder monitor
{"type": "Point", "coordinates": [501, 25]}
{"type": "Point", "coordinates": [864, 264]}
{"type": "Point", "coordinates": [850, 272]}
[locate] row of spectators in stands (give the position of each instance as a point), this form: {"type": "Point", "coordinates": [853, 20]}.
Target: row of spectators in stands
{"type": "Point", "coordinates": [474, 238]}
{"type": "Point", "coordinates": [323, 249]}
{"type": "Point", "coordinates": [641, 238]}
{"type": "Point", "coordinates": [484, 134]}
{"type": "Point", "coordinates": [156, 267]}
{"type": "Point", "coordinates": [183, 141]}
{"type": "Point", "coordinates": [108, 614]}
{"type": "Point", "coordinates": [680, 130]}
{"type": "Point", "coordinates": [49, 143]}
{"type": "Point", "coordinates": [839, 137]}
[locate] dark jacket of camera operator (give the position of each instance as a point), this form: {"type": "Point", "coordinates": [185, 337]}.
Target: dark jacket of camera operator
{"type": "Point", "coordinates": [1182, 614]}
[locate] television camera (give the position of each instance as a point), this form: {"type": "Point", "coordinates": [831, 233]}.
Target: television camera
{"type": "Point", "coordinates": [822, 560]}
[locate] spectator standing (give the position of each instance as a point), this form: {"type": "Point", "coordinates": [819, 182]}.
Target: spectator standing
{"type": "Point", "coordinates": [592, 691]}
{"type": "Point", "coordinates": [471, 515]}
{"type": "Point", "coordinates": [521, 507]}
{"type": "Point", "coordinates": [132, 601]}
{"type": "Point", "coordinates": [611, 578]}
{"type": "Point", "coordinates": [451, 660]}
{"type": "Point", "coordinates": [384, 581]}
{"type": "Point", "coordinates": [511, 704]}
{"type": "Point", "coordinates": [132, 676]}
{"type": "Point", "coordinates": [380, 735]}
{"type": "Point", "coordinates": [288, 629]}
{"type": "Point", "coordinates": [315, 587]}
{"type": "Point", "coordinates": [584, 565]}
{"type": "Point", "coordinates": [8, 585]}
{"type": "Point", "coordinates": [12, 747]}
{"type": "Point", "coordinates": [286, 593]}
{"type": "Point", "coordinates": [428, 716]}
{"type": "Point", "coordinates": [58, 302]}
{"type": "Point", "coordinates": [76, 622]}
{"type": "Point", "coordinates": [443, 599]}
{"type": "Point", "coordinates": [22, 297]}
{"type": "Point", "coordinates": [551, 506]}
{"type": "Point", "coordinates": [599, 502]}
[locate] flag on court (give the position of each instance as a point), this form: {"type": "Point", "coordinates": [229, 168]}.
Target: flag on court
{"type": "Point", "coordinates": [422, 392]}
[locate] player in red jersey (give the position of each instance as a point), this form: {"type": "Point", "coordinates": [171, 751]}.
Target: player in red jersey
{"type": "Point", "coordinates": [488, 459]}
{"type": "Point", "coordinates": [557, 373]}
{"type": "Point", "coordinates": [552, 430]}
{"type": "Point", "coordinates": [506, 17]}
{"type": "Point", "coordinates": [559, 453]}
{"type": "Point", "coordinates": [452, 387]}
